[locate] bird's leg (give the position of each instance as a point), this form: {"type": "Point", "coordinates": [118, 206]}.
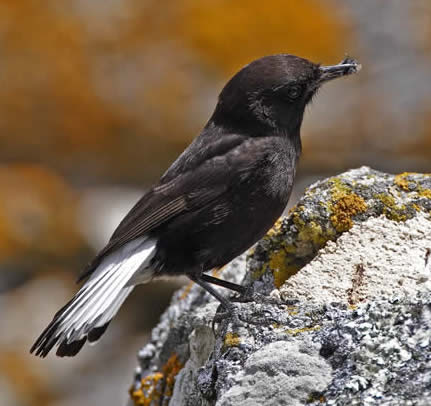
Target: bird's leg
{"type": "Point", "coordinates": [245, 294]}
{"type": "Point", "coordinates": [206, 285]}
{"type": "Point", "coordinates": [229, 308]}
{"type": "Point", "coordinates": [225, 284]}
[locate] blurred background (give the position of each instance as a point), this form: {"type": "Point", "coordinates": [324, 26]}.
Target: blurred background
{"type": "Point", "coordinates": [98, 97]}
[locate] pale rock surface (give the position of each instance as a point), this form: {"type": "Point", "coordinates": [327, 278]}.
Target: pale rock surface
{"type": "Point", "coordinates": [339, 310]}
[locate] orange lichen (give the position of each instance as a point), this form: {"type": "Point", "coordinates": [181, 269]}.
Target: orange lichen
{"type": "Point", "coordinates": [217, 271]}
{"type": "Point", "coordinates": [344, 209]}
{"type": "Point", "coordinates": [232, 340]}
{"type": "Point", "coordinates": [149, 391]}
{"type": "Point", "coordinates": [186, 291]}
{"type": "Point", "coordinates": [155, 387]}
{"type": "Point", "coordinates": [170, 371]}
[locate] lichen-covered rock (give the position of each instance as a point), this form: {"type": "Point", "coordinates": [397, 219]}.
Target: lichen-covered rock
{"type": "Point", "coordinates": [366, 263]}
{"type": "Point", "coordinates": [331, 207]}
{"type": "Point", "coordinates": [340, 314]}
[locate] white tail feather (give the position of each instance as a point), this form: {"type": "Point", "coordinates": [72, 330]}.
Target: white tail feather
{"type": "Point", "coordinates": [99, 299]}
{"type": "Point", "coordinates": [106, 285]}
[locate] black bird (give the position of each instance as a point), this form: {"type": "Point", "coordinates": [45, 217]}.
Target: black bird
{"type": "Point", "coordinates": [217, 199]}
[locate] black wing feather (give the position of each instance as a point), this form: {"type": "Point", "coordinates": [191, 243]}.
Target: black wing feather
{"type": "Point", "coordinates": [202, 181]}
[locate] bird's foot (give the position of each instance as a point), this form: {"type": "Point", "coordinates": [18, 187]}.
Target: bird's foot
{"type": "Point", "coordinates": [230, 313]}
{"type": "Point", "coordinates": [249, 296]}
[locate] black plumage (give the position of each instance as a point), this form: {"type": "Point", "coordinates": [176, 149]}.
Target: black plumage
{"type": "Point", "coordinates": [218, 198]}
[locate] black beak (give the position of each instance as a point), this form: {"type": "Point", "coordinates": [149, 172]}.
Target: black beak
{"type": "Point", "coordinates": [345, 67]}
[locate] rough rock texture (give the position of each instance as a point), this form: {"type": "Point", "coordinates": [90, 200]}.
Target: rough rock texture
{"type": "Point", "coordinates": [367, 262]}
{"type": "Point", "coordinates": [339, 311]}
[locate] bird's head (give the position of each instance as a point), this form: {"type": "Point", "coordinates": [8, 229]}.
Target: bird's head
{"type": "Point", "coordinates": [270, 93]}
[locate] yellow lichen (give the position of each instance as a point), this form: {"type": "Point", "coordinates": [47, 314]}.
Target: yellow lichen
{"type": "Point", "coordinates": [297, 219]}
{"type": "Point", "coordinates": [275, 229]}
{"type": "Point", "coordinates": [296, 331]}
{"type": "Point", "coordinates": [285, 259]}
{"type": "Point", "coordinates": [344, 208]}
{"type": "Point", "coordinates": [158, 385]}
{"type": "Point", "coordinates": [292, 310]}
{"type": "Point", "coordinates": [277, 259]}
{"type": "Point", "coordinates": [313, 232]}
{"type": "Point", "coordinates": [294, 209]}
{"type": "Point", "coordinates": [281, 265]}
{"type": "Point", "coordinates": [425, 193]}
{"type": "Point", "coordinates": [401, 181]}
{"type": "Point", "coordinates": [283, 274]}
{"type": "Point", "coordinates": [417, 207]}
{"type": "Point", "coordinates": [232, 340]}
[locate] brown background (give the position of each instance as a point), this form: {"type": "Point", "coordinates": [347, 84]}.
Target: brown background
{"type": "Point", "coordinates": [98, 97]}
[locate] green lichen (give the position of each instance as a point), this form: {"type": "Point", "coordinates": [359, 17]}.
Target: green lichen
{"type": "Point", "coordinates": [296, 331]}
{"type": "Point", "coordinates": [391, 210]}
{"type": "Point", "coordinates": [339, 188]}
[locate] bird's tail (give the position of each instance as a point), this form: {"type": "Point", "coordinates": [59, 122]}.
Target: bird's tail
{"type": "Point", "coordinates": [89, 312]}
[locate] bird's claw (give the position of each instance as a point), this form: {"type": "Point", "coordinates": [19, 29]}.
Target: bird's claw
{"type": "Point", "coordinates": [231, 313]}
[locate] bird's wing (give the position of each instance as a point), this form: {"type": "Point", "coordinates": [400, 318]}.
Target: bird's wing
{"type": "Point", "coordinates": [187, 192]}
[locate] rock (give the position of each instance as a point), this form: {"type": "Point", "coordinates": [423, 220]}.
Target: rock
{"type": "Point", "coordinates": [368, 262]}
{"type": "Point", "coordinates": [340, 314]}
{"type": "Point", "coordinates": [276, 369]}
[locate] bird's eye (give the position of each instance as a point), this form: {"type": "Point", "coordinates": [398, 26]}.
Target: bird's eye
{"type": "Point", "coordinates": [294, 92]}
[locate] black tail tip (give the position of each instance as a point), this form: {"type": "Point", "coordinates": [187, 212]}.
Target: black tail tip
{"type": "Point", "coordinates": [70, 349]}
{"type": "Point", "coordinates": [45, 343]}
{"type": "Point", "coordinates": [64, 349]}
